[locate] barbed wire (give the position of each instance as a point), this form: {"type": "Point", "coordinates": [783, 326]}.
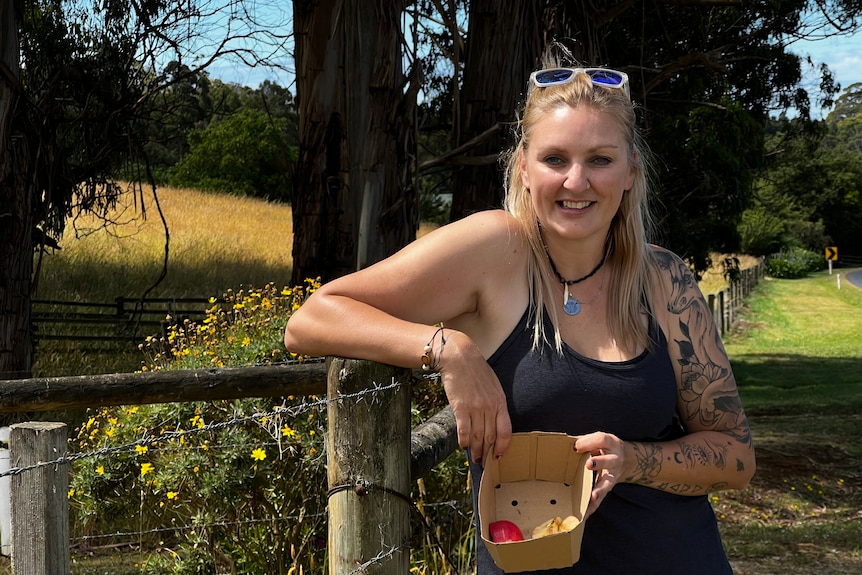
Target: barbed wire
{"type": "Point", "coordinates": [430, 526]}
{"type": "Point", "coordinates": [289, 411]}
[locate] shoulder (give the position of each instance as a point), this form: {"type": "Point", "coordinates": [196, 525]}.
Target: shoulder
{"type": "Point", "coordinates": [672, 283]}
{"type": "Point", "coordinates": [488, 224]}
{"type": "Point", "coordinates": [480, 234]}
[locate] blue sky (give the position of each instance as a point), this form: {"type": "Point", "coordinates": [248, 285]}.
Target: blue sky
{"type": "Point", "coordinates": [842, 55]}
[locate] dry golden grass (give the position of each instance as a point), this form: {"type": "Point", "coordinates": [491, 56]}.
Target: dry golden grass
{"type": "Point", "coordinates": [713, 280]}
{"type": "Point", "coordinates": [216, 240]}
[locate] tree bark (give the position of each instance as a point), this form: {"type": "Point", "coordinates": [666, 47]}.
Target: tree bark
{"type": "Point", "coordinates": [353, 201]}
{"type": "Point", "coordinates": [499, 58]}
{"type": "Point", "coordinates": [16, 217]}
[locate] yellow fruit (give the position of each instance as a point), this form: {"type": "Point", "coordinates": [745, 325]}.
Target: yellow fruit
{"type": "Point", "coordinates": [547, 528]}
{"type": "Point", "coordinates": [569, 523]}
{"type": "Point", "coordinates": [555, 525]}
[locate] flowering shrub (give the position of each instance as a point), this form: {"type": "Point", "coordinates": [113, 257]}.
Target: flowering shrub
{"type": "Point", "coordinates": [221, 486]}
{"type": "Point", "coordinates": [793, 263]}
{"type": "Point", "coordinates": [245, 328]}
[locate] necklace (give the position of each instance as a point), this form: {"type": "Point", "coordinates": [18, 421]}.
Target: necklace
{"type": "Point", "coordinates": [572, 306]}
{"type": "Point", "coordinates": [566, 282]}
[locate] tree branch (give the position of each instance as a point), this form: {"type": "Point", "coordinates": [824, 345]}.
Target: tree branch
{"type": "Point", "coordinates": [451, 157]}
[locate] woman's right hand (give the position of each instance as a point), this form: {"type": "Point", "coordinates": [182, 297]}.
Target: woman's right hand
{"type": "Point", "coordinates": [476, 398]}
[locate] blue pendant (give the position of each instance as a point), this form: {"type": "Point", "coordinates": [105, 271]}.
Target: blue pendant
{"type": "Point", "coordinates": [572, 306]}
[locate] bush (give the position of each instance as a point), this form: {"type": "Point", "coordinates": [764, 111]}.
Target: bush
{"type": "Point", "coordinates": [794, 263]}
{"type": "Point", "coordinates": [245, 155]}
{"type": "Point", "coordinates": [218, 486]}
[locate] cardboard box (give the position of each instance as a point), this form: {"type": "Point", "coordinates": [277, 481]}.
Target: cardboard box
{"type": "Point", "coordinates": [540, 477]}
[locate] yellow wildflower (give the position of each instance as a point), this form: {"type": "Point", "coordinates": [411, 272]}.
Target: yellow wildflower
{"type": "Point", "coordinates": [172, 494]}
{"type": "Point", "coordinates": [258, 454]}
{"type": "Point", "coordinates": [141, 449]}
{"type": "Point", "coordinates": [146, 468]}
{"type": "Point", "coordinates": [100, 470]}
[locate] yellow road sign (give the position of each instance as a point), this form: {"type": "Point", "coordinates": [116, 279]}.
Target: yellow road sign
{"type": "Point", "coordinates": [832, 253]}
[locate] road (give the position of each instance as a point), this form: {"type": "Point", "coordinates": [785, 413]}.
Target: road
{"type": "Point", "coordinates": [855, 277]}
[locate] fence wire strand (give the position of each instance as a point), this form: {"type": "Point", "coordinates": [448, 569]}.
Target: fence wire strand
{"type": "Point", "coordinates": [290, 411]}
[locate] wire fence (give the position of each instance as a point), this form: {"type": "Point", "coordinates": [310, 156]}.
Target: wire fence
{"type": "Point", "coordinates": [112, 451]}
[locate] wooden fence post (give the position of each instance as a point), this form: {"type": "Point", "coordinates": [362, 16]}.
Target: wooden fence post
{"type": "Point", "coordinates": [40, 504]}
{"type": "Point", "coordinates": [368, 465]}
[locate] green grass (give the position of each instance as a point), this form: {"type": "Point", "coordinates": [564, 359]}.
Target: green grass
{"type": "Point", "coordinates": [799, 346]}
{"type": "Point", "coordinates": [797, 356]}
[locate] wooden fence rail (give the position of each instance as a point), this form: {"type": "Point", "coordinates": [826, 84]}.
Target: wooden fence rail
{"type": "Point", "coordinates": [725, 304]}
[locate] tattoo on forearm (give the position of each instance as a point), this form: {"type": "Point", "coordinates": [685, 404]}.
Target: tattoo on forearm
{"type": "Point", "coordinates": [648, 458]}
{"type": "Point", "coordinates": [706, 453]}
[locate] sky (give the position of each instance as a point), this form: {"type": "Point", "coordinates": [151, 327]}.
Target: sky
{"type": "Point", "coordinates": [842, 55]}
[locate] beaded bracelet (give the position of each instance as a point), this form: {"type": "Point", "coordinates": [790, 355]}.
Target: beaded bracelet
{"type": "Point", "coordinates": [429, 359]}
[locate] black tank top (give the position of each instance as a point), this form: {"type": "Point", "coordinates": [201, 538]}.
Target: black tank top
{"type": "Point", "coordinates": [636, 529]}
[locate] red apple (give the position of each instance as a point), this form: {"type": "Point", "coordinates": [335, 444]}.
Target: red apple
{"type": "Point", "coordinates": [503, 531]}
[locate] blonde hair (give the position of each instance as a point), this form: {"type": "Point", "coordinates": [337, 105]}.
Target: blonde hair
{"type": "Point", "coordinates": [627, 246]}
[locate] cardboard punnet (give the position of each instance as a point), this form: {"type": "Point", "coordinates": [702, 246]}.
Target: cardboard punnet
{"type": "Point", "coordinates": [540, 477]}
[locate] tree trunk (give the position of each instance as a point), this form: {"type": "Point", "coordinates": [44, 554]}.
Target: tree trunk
{"type": "Point", "coordinates": [500, 56]}
{"type": "Point", "coordinates": [353, 201]}
{"type": "Point", "coordinates": [16, 217]}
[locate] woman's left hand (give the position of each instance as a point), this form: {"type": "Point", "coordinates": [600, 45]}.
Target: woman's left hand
{"type": "Point", "coordinates": [607, 459]}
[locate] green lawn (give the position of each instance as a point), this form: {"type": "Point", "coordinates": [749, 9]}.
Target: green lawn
{"type": "Point", "coordinates": [797, 356]}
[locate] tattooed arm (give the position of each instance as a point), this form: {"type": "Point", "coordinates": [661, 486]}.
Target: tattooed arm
{"type": "Point", "coordinates": [717, 452]}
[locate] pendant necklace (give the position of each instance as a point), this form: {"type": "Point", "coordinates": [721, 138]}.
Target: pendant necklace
{"type": "Point", "coordinates": [571, 305]}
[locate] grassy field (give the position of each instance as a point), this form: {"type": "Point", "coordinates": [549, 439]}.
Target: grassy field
{"type": "Point", "coordinates": [216, 242]}
{"type": "Point", "coordinates": [797, 355]}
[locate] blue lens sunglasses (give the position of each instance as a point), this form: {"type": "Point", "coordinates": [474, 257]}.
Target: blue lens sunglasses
{"type": "Point", "coordinates": [602, 77]}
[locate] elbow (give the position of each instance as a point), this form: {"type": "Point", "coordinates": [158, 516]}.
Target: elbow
{"type": "Point", "coordinates": [746, 466]}
{"type": "Point", "coordinates": [294, 341]}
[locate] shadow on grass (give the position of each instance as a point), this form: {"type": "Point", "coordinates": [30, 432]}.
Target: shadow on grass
{"type": "Point", "coordinates": [790, 384]}
{"type": "Point", "coordinates": [95, 280]}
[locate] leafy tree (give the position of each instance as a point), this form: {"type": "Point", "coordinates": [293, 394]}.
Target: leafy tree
{"type": "Point", "coordinates": [246, 155]}
{"type": "Point", "coordinates": [705, 89]}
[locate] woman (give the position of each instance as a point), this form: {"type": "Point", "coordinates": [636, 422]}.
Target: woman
{"type": "Point", "coordinates": [559, 316]}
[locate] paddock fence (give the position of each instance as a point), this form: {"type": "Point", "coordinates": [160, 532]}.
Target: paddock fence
{"type": "Point", "coordinates": [120, 321]}
{"type": "Point", "coordinates": [372, 453]}
{"type": "Point", "coordinates": [726, 304]}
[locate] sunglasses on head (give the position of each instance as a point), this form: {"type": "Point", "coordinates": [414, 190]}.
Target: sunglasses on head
{"type": "Point", "coordinates": [602, 77]}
